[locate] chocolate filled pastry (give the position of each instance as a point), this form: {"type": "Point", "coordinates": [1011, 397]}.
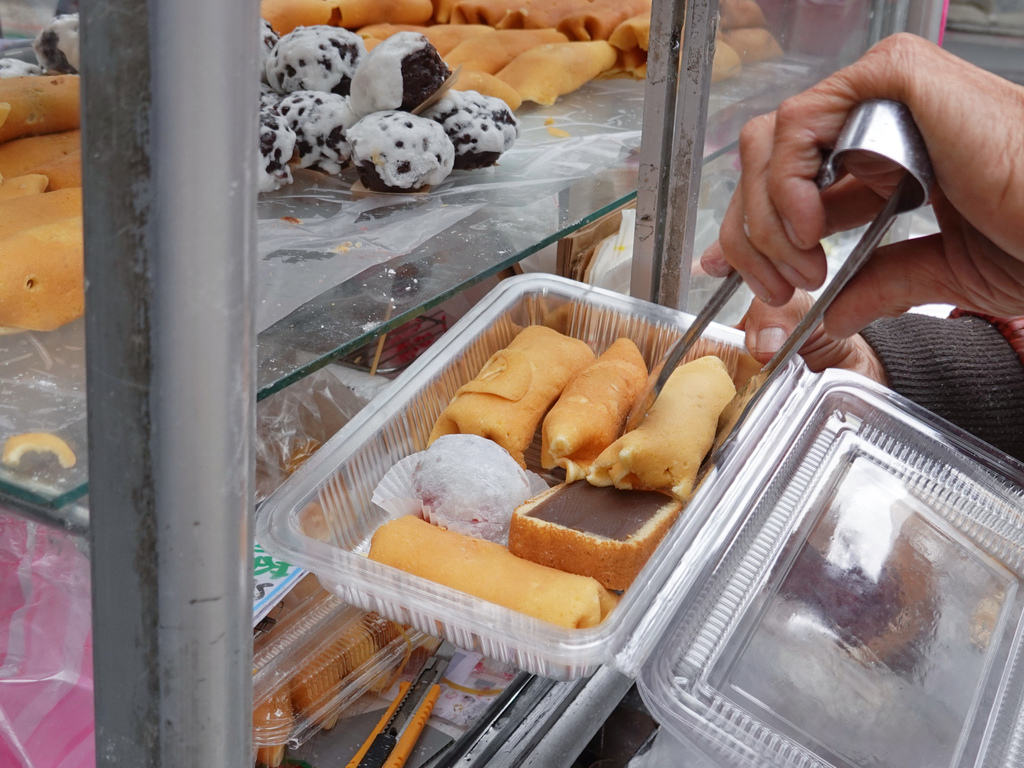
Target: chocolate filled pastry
{"type": "Point", "coordinates": [665, 451]}
{"type": "Point", "coordinates": [321, 122]}
{"type": "Point", "coordinates": [546, 72]}
{"type": "Point", "coordinates": [62, 172]}
{"type": "Point", "coordinates": [481, 128]}
{"type": "Point", "coordinates": [540, 14]}
{"type": "Point", "coordinates": [494, 51]}
{"type": "Point", "coordinates": [354, 14]}
{"type": "Point", "coordinates": [592, 410]}
{"type": "Point", "coordinates": [512, 392]}
{"type": "Point", "coordinates": [28, 211]}
{"type": "Point", "coordinates": [604, 533]}
{"type": "Point", "coordinates": [400, 73]}
{"type": "Point", "coordinates": [42, 278]}
{"type": "Point", "coordinates": [277, 145]}
{"type": "Point", "coordinates": [489, 571]}
{"type": "Point", "coordinates": [319, 58]}
{"type": "Point", "coordinates": [20, 156]}
{"type": "Point", "coordinates": [400, 152]}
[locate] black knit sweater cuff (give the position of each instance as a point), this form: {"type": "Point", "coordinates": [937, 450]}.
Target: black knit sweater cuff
{"type": "Point", "coordinates": [962, 369]}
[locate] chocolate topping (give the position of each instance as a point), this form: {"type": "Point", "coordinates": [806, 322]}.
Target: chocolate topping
{"type": "Point", "coordinates": [606, 512]}
{"type": "Point", "coordinates": [423, 72]}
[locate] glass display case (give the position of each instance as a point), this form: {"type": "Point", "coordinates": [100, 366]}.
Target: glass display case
{"type": "Point", "coordinates": [337, 268]}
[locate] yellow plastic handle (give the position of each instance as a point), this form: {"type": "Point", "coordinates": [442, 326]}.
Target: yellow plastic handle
{"type": "Point", "coordinates": [404, 746]}
{"type": "Point", "coordinates": [354, 763]}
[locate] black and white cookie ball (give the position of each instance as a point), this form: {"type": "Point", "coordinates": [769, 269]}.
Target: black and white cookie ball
{"type": "Point", "coordinates": [56, 46]}
{"type": "Point", "coordinates": [17, 68]}
{"type": "Point", "coordinates": [269, 98]}
{"type": "Point", "coordinates": [481, 127]}
{"type": "Point", "coordinates": [317, 58]}
{"type": "Point", "coordinates": [277, 145]}
{"type": "Point", "coordinates": [400, 73]}
{"type": "Point", "coordinates": [321, 122]}
{"type": "Point", "coordinates": [397, 152]}
{"type": "Point", "coordinates": [268, 39]}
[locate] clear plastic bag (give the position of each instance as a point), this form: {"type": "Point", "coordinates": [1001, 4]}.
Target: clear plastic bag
{"type": "Point", "coordinates": [46, 705]}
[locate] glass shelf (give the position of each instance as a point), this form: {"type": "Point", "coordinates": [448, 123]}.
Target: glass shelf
{"type": "Point", "coordinates": [338, 268]}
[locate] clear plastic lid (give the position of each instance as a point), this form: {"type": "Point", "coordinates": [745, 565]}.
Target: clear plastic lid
{"type": "Point", "coordinates": [867, 612]}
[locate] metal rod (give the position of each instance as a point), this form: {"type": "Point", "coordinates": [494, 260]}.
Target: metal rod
{"type": "Point", "coordinates": [672, 150]}
{"type": "Point", "coordinates": [169, 137]}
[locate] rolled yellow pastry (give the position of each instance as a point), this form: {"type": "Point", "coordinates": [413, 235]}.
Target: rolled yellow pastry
{"type": "Point", "coordinates": [592, 410]}
{"type": "Point", "coordinates": [444, 37]}
{"type": "Point", "coordinates": [26, 212]}
{"type": "Point", "coordinates": [753, 45]}
{"type": "Point", "coordinates": [62, 172]}
{"type": "Point", "coordinates": [5, 110]}
{"type": "Point", "coordinates": [600, 18]}
{"type": "Point", "coordinates": [546, 72]}
{"type": "Point", "coordinates": [488, 85]}
{"type": "Point", "coordinates": [42, 284]}
{"type": "Point", "coordinates": [666, 450]}
{"type": "Point", "coordinates": [740, 14]}
{"type": "Point", "coordinates": [354, 14]}
{"type": "Point", "coordinates": [443, 11]}
{"type": "Point", "coordinates": [286, 15]}
{"type": "Point", "coordinates": [39, 105]}
{"type": "Point", "coordinates": [632, 33]}
{"type": "Point", "coordinates": [509, 397]}
{"type": "Point", "coordinates": [489, 12]}
{"type": "Point", "coordinates": [489, 571]}
{"type": "Point", "coordinates": [272, 722]}
{"type": "Point", "coordinates": [726, 63]}
{"type": "Point", "coordinates": [540, 14]}
{"type": "Point", "coordinates": [22, 186]}
{"type": "Point", "coordinates": [20, 156]}
{"type": "Point", "coordinates": [494, 51]}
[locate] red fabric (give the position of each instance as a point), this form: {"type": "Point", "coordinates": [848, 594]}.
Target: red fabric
{"type": "Point", "coordinates": [1012, 328]}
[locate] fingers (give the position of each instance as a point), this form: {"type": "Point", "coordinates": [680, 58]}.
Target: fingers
{"type": "Point", "coordinates": [756, 270]}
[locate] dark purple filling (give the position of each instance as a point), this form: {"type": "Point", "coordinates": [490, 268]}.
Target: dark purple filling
{"type": "Point", "coordinates": [468, 161]}
{"type": "Point", "coordinates": [423, 72]}
{"type": "Point", "coordinates": [371, 180]}
{"type": "Point", "coordinates": [52, 55]}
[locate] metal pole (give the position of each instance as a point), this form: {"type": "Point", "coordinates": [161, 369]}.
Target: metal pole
{"type": "Point", "coordinates": [170, 113]}
{"type": "Point", "coordinates": [672, 150]}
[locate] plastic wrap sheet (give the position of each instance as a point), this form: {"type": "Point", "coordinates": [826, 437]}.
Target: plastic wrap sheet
{"type": "Point", "coordinates": [293, 423]}
{"type": "Point", "coordinates": [42, 389]}
{"type": "Point", "coordinates": [46, 708]}
{"type": "Point", "coordinates": [317, 232]}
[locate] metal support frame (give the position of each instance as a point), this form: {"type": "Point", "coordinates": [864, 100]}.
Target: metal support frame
{"type": "Point", "coordinates": [679, 66]}
{"type": "Point", "coordinates": [169, 133]}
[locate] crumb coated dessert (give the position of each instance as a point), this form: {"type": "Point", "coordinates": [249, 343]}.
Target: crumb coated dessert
{"type": "Point", "coordinates": [56, 46]}
{"type": "Point", "coordinates": [480, 127]}
{"type": "Point", "coordinates": [277, 145]}
{"type": "Point", "coordinates": [18, 68]}
{"type": "Point", "coordinates": [269, 98]}
{"type": "Point", "coordinates": [400, 73]}
{"type": "Point", "coordinates": [399, 152]}
{"type": "Point", "coordinates": [320, 121]}
{"type": "Point", "coordinates": [317, 58]}
{"type": "Point", "coordinates": [470, 485]}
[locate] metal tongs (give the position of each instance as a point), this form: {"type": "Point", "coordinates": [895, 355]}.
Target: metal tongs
{"type": "Point", "coordinates": [877, 128]}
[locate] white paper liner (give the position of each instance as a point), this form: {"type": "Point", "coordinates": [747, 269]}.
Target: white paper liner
{"type": "Point", "coordinates": [395, 495]}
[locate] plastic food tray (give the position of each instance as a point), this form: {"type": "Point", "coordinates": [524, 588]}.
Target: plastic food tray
{"type": "Point", "coordinates": [322, 517]}
{"type": "Point", "coordinates": [868, 611]}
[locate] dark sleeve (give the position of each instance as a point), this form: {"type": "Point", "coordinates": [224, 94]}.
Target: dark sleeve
{"type": "Point", "coordinates": [962, 369]}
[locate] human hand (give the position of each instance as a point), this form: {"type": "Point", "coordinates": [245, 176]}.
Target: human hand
{"type": "Point", "coordinates": [767, 328]}
{"type": "Point", "coordinates": [973, 125]}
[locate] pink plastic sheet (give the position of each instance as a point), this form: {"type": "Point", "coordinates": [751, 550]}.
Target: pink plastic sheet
{"type": "Point", "coordinates": [46, 708]}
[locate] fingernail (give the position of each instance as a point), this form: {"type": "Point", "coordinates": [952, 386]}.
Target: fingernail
{"type": "Point", "coordinates": [769, 340]}
{"type": "Point", "coordinates": [713, 260]}
{"type": "Point", "coordinates": [793, 277]}
{"type": "Point", "coordinates": [791, 234]}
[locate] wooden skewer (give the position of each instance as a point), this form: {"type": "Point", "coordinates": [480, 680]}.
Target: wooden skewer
{"type": "Point", "coordinates": [380, 342]}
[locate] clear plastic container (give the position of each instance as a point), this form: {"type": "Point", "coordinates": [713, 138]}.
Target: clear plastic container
{"type": "Point", "coordinates": [868, 611]}
{"type": "Point", "coordinates": [319, 656]}
{"type": "Point", "coordinates": [322, 517]}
